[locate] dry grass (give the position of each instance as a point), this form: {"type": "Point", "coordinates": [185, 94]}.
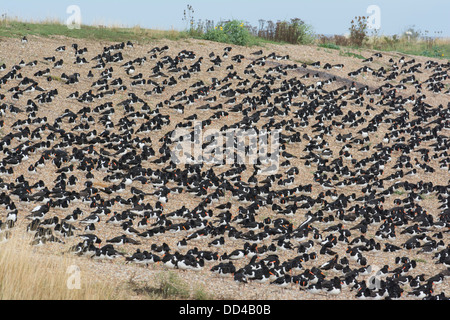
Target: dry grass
{"type": "Point", "coordinates": [17, 28]}
{"type": "Point", "coordinates": [25, 274]}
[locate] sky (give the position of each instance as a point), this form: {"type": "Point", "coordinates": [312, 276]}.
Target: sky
{"type": "Point", "coordinates": [326, 16]}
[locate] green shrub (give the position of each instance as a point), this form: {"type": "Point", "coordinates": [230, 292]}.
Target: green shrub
{"type": "Point", "coordinates": [233, 32]}
{"type": "Point", "coordinates": [302, 33]}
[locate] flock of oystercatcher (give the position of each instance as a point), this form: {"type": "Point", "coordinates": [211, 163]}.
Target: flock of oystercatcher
{"type": "Point", "coordinates": [343, 189]}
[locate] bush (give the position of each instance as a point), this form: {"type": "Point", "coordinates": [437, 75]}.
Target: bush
{"type": "Point", "coordinates": [358, 31]}
{"type": "Point", "coordinates": [295, 31]}
{"type": "Point", "coordinates": [233, 32]}
{"type": "Point", "coordinates": [305, 32]}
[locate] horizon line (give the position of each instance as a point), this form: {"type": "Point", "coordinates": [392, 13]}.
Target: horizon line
{"type": "Point", "coordinates": [121, 25]}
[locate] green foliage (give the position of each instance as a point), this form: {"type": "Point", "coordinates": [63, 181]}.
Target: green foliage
{"type": "Point", "coordinates": [304, 32]}
{"type": "Point", "coordinates": [347, 53]}
{"type": "Point", "coordinates": [435, 52]}
{"type": "Point", "coordinates": [233, 32]}
{"type": "Point", "coordinates": [329, 45]}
